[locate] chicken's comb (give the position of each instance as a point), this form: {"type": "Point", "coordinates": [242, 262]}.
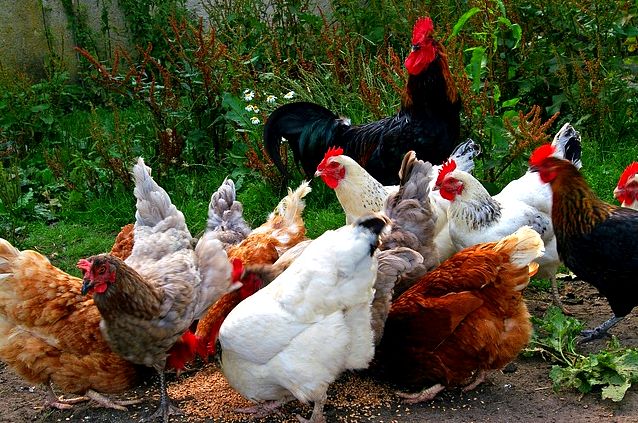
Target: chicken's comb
{"type": "Point", "coordinates": [541, 153]}
{"type": "Point", "coordinates": [423, 28]}
{"type": "Point", "coordinates": [84, 265]}
{"type": "Point", "coordinates": [238, 269]}
{"type": "Point", "coordinates": [447, 167]}
{"type": "Point", "coordinates": [629, 171]}
{"type": "Point", "coordinates": [332, 151]}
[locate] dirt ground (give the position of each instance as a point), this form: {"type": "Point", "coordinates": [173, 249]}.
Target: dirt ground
{"type": "Point", "coordinates": [522, 393]}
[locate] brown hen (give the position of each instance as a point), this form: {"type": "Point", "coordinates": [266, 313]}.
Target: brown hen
{"type": "Point", "coordinates": [464, 318]}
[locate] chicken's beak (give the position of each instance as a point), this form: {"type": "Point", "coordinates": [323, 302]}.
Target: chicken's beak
{"type": "Point", "coordinates": [533, 169]}
{"type": "Point", "coordinates": [317, 174]}
{"type": "Point", "coordinates": [87, 285]}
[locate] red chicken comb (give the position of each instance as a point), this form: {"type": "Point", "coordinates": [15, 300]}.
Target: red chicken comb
{"type": "Point", "coordinates": [629, 171]}
{"type": "Point", "coordinates": [238, 269]}
{"type": "Point", "coordinates": [84, 265]}
{"type": "Point", "coordinates": [541, 153]}
{"type": "Point", "coordinates": [423, 28]}
{"type": "Point", "coordinates": [448, 167]}
{"type": "Point", "coordinates": [332, 151]}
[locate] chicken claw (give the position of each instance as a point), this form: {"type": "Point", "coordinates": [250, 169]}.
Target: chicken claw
{"type": "Point", "coordinates": [425, 395]}
{"type": "Point", "coordinates": [91, 395]}
{"type": "Point", "coordinates": [262, 409]}
{"type": "Point", "coordinates": [478, 379]}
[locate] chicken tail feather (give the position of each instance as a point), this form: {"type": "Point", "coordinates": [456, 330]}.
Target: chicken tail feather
{"type": "Point", "coordinates": [153, 203]}
{"type": "Point", "coordinates": [568, 145]}
{"type": "Point", "coordinates": [303, 125]}
{"type": "Point", "coordinates": [8, 253]}
{"type": "Point", "coordinates": [523, 246]}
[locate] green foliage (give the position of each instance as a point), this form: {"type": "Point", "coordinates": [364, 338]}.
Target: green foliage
{"type": "Point", "coordinates": [613, 369]}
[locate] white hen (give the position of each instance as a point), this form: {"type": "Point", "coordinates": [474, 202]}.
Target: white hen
{"type": "Point", "coordinates": [476, 217]}
{"type": "Point", "coordinates": [296, 335]}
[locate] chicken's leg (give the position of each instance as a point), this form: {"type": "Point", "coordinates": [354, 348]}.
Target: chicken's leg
{"type": "Point", "coordinates": [317, 413]}
{"type": "Point", "coordinates": [165, 409]}
{"type": "Point", "coordinates": [599, 331]}
{"type": "Point", "coordinates": [427, 394]}
{"type": "Point", "coordinates": [556, 297]}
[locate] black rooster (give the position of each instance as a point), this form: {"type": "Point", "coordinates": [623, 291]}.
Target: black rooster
{"type": "Point", "coordinates": [428, 121]}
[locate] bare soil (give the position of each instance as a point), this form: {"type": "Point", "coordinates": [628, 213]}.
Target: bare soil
{"type": "Point", "coordinates": [521, 393]}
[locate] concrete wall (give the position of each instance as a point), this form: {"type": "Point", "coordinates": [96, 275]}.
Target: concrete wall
{"type": "Point", "coordinates": [32, 31]}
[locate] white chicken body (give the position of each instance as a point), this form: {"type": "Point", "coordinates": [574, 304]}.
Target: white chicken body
{"type": "Point", "coordinates": [295, 336]}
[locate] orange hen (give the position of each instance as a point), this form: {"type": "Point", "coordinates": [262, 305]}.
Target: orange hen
{"type": "Point", "coordinates": [49, 332]}
{"type": "Point", "coordinates": [463, 319]}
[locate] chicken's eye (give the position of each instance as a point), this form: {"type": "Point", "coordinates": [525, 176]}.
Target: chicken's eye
{"type": "Point", "coordinates": [416, 47]}
{"type": "Point", "coordinates": [101, 270]}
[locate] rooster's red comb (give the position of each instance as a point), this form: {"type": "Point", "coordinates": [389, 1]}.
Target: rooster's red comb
{"type": "Point", "coordinates": [423, 28]}
{"type": "Point", "coordinates": [238, 269]}
{"type": "Point", "coordinates": [448, 167]}
{"type": "Point", "coordinates": [541, 153]}
{"type": "Point", "coordinates": [84, 265]}
{"type": "Point", "coordinates": [629, 171]}
{"type": "Point", "coordinates": [332, 151]}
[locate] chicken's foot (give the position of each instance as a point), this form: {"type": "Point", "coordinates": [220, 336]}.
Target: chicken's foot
{"type": "Point", "coordinates": [556, 297]}
{"type": "Point", "coordinates": [478, 379]}
{"type": "Point", "coordinates": [600, 331]}
{"type": "Point", "coordinates": [262, 409]}
{"type": "Point", "coordinates": [165, 409]}
{"type": "Point", "coordinates": [105, 402]}
{"type": "Point", "coordinates": [425, 395]}
{"type": "Point", "coordinates": [68, 403]}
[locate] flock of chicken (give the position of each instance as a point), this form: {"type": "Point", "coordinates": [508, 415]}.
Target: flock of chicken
{"type": "Point", "coordinates": [423, 285]}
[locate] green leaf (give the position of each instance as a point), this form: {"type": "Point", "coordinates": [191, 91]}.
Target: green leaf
{"type": "Point", "coordinates": [615, 392]}
{"type": "Point", "coordinates": [458, 26]}
{"type": "Point", "coordinates": [40, 108]}
{"type": "Point", "coordinates": [511, 102]}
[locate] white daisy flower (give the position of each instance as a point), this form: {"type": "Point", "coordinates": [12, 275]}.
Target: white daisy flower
{"type": "Point", "coordinates": [249, 95]}
{"type": "Point", "coordinates": [255, 109]}
{"type": "Point", "coordinates": [289, 95]}
{"type": "Point", "coordinates": [249, 108]}
{"type": "Point", "coordinates": [271, 99]}
{"type": "Point", "coordinates": [255, 120]}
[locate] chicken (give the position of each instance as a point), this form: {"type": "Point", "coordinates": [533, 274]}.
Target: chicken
{"type": "Point", "coordinates": [292, 338]}
{"type": "Point", "coordinates": [283, 230]}
{"type": "Point", "coordinates": [49, 332]}
{"type": "Point", "coordinates": [428, 121]}
{"type": "Point", "coordinates": [532, 191]}
{"type": "Point", "coordinates": [463, 319]}
{"type": "Point", "coordinates": [124, 241]}
{"type": "Point", "coordinates": [148, 301]}
{"type": "Point", "coordinates": [627, 189]}
{"type": "Point", "coordinates": [359, 193]}
{"type": "Point", "coordinates": [597, 241]}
